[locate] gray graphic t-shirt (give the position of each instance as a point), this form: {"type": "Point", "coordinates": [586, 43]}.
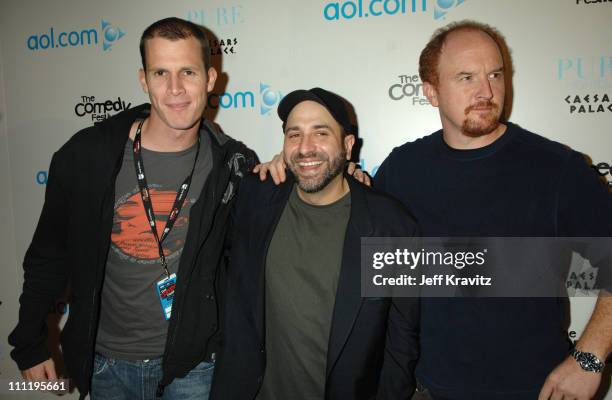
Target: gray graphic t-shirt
{"type": "Point", "coordinates": [132, 324]}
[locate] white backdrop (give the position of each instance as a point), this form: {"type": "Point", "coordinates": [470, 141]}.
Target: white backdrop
{"type": "Point", "coordinates": [60, 60]}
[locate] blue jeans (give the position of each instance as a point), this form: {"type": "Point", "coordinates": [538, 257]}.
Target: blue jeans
{"type": "Point", "coordinates": [115, 379]}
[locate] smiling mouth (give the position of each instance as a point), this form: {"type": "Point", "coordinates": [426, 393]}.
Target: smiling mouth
{"type": "Point", "coordinates": [310, 163]}
{"type": "Point", "coordinates": [308, 167]}
{"type": "Point", "coordinates": [178, 106]}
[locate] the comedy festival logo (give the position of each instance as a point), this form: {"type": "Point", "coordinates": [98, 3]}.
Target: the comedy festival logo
{"type": "Point", "coordinates": [408, 88]}
{"type": "Point", "coordinates": [355, 9]}
{"type": "Point", "coordinates": [98, 110]}
{"type": "Point", "coordinates": [104, 35]}
{"type": "Point", "coordinates": [265, 99]}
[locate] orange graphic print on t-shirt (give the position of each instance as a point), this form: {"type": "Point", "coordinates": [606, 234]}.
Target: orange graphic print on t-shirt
{"type": "Point", "coordinates": [131, 230]}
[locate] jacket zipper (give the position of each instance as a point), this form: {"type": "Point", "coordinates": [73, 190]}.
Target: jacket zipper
{"type": "Point", "coordinates": [172, 339]}
{"type": "Point", "coordinates": [100, 264]}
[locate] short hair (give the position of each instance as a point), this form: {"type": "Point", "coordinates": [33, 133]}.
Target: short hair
{"type": "Point", "coordinates": [176, 29]}
{"type": "Point", "coordinates": [430, 56]}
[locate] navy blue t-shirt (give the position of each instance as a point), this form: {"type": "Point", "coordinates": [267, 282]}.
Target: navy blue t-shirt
{"type": "Point", "coordinates": [520, 185]}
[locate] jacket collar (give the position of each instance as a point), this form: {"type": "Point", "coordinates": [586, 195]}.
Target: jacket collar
{"type": "Point", "coordinates": [348, 294]}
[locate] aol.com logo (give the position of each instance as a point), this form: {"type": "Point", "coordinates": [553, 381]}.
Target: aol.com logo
{"type": "Point", "coordinates": [107, 35]}
{"type": "Point", "coordinates": [110, 35]}
{"type": "Point", "coordinates": [42, 177]}
{"type": "Point", "coordinates": [267, 99]}
{"type": "Point", "coordinates": [441, 7]}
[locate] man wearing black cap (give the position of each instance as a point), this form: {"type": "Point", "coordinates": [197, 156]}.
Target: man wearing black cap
{"type": "Point", "coordinates": [296, 326]}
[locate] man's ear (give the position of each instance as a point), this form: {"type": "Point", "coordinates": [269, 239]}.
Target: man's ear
{"type": "Point", "coordinates": [143, 80]}
{"type": "Point", "coordinates": [431, 93]}
{"type": "Point", "coordinates": [211, 79]}
{"type": "Point", "coordinates": [349, 142]}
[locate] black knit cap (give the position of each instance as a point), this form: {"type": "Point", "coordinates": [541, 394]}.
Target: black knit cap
{"type": "Point", "coordinates": [332, 102]}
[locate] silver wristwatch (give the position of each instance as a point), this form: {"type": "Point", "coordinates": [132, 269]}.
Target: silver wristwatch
{"type": "Point", "coordinates": [587, 361]}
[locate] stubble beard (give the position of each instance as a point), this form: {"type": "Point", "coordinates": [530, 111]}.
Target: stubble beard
{"type": "Point", "coordinates": [317, 183]}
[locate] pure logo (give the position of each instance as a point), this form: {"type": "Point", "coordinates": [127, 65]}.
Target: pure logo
{"type": "Point", "coordinates": [217, 17]}
{"type": "Point", "coordinates": [583, 69]}
{"type": "Point", "coordinates": [53, 39]}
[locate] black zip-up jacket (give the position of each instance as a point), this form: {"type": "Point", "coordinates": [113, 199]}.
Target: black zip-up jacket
{"type": "Point", "coordinates": [71, 242]}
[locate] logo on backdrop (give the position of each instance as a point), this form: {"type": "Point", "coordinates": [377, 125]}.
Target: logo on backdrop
{"type": "Point", "coordinates": [604, 170]}
{"type": "Point", "coordinates": [99, 110]}
{"type": "Point", "coordinates": [371, 169]}
{"type": "Point", "coordinates": [41, 177]}
{"type": "Point", "coordinates": [442, 7]}
{"type": "Point", "coordinates": [408, 88]}
{"type": "Point", "coordinates": [350, 9]}
{"type": "Point", "coordinates": [588, 2]}
{"type": "Point", "coordinates": [106, 35]}
{"type": "Point", "coordinates": [224, 46]}
{"type": "Point", "coordinates": [266, 99]}
{"type": "Point", "coordinates": [588, 103]}
{"type": "Point", "coordinates": [217, 17]}
{"type": "Point", "coordinates": [585, 73]}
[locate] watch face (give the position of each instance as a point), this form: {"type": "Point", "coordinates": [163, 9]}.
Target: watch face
{"type": "Point", "coordinates": [588, 362]}
{"type": "Point", "coordinates": [584, 363]}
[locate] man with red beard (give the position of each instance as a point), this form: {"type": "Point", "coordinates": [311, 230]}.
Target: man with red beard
{"type": "Point", "coordinates": [482, 176]}
{"type": "Point", "coordinates": [296, 326]}
{"type": "Point", "coordinates": [479, 176]}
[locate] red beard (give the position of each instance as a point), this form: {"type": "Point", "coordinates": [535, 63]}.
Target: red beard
{"type": "Point", "coordinates": [483, 123]}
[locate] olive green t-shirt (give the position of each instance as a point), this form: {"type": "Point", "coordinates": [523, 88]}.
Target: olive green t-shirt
{"type": "Point", "coordinates": [301, 277]}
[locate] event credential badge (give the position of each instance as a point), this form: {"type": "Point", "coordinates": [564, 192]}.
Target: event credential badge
{"type": "Point", "coordinates": [165, 290]}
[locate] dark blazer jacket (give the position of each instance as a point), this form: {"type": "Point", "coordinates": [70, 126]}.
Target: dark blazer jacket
{"type": "Point", "coordinates": [373, 344]}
